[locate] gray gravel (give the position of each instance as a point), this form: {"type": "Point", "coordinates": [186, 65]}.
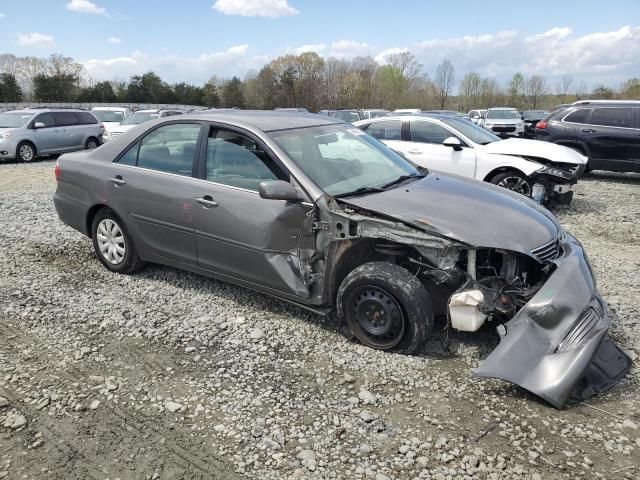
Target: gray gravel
{"type": "Point", "coordinates": [166, 374]}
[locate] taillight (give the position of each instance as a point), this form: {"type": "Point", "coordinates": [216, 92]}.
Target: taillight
{"type": "Point", "coordinates": [57, 170]}
{"type": "Point", "coordinates": [541, 125]}
{"type": "Point", "coordinates": [102, 126]}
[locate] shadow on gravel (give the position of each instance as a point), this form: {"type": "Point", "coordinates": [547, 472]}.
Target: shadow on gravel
{"type": "Point", "coordinates": [611, 177]}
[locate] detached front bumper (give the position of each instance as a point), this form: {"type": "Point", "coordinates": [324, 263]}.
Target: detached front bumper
{"type": "Point", "coordinates": [556, 346]}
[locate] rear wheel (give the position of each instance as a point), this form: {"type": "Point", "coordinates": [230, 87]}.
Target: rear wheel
{"type": "Point", "coordinates": [514, 181]}
{"type": "Point", "coordinates": [113, 244]}
{"type": "Point", "coordinates": [91, 143]}
{"type": "Point", "coordinates": [385, 307]}
{"type": "Point", "coordinates": [26, 152]}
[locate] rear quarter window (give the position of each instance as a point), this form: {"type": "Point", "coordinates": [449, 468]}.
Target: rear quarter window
{"type": "Point", "coordinates": [613, 117]}
{"type": "Point", "coordinates": [85, 118]}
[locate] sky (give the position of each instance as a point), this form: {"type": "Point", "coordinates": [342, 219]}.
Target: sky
{"type": "Point", "coordinates": [190, 40]}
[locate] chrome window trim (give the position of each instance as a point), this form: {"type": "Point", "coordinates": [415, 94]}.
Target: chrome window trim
{"type": "Point", "coordinates": [562, 120]}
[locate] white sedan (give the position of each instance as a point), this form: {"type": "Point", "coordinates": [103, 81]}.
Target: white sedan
{"type": "Point", "coordinates": [541, 170]}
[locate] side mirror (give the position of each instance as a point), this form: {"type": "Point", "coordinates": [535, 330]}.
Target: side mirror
{"type": "Point", "coordinates": [38, 125]}
{"type": "Point", "coordinates": [453, 142]}
{"type": "Point", "coordinates": [279, 190]}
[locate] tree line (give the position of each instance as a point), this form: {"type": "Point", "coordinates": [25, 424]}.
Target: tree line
{"type": "Point", "coordinates": [305, 80]}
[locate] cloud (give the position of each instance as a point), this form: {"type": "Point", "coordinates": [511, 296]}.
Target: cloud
{"type": "Point", "coordinates": [349, 48]}
{"type": "Point", "coordinates": [35, 39]}
{"type": "Point", "coordinates": [173, 68]}
{"type": "Point", "coordinates": [318, 47]}
{"type": "Point", "coordinates": [2, 15]}
{"type": "Point", "coordinates": [381, 57]}
{"type": "Point", "coordinates": [85, 6]}
{"type": "Point", "coordinates": [255, 8]}
{"type": "Point", "coordinates": [114, 40]}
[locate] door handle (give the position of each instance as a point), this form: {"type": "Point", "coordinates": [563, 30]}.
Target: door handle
{"type": "Point", "coordinates": [415, 152]}
{"type": "Point", "coordinates": [207, 201]}
{"type": "Point", "coordinates": [589, 130]}
{"type": "Point", "coordinates": [117, 180]}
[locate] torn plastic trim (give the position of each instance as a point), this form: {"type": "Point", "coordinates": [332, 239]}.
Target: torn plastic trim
{"type": "Point", "coordinates": [529, 353]}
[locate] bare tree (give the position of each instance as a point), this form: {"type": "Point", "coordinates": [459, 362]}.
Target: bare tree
{"type": "Point", "coordinates": [581, 90]}
{"type": "Point", "coordinates": [565, 84]}
{"type": "Point", "coordinates": [445, 74]}
{"type": "Point", "coordinates": [470, 88]}
{"type": "Point", "coordinates": [489, 92]}
{"type": "Point", "coordinates": [406, 63]}
{"type": "Point", "coordinates": [536, 88]}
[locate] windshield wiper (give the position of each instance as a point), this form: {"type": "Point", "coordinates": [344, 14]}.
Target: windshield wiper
{"type": "Point", "coordinates": [359, 191]}
{"type": "Point", "coordinates": [402, 178]}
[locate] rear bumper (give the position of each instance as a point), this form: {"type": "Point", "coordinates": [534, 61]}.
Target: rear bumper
{"type": "Point", "coordinates": [555, 345]}
{"type": "Point", "coordinates": [72, 212]}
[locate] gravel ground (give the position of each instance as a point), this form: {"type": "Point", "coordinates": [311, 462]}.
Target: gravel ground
{"type": "Point", "coordinates": [166, 374]}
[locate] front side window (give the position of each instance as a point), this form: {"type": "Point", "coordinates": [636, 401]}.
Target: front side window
{"type": "Point", "coordinates": [613, 117]}
{"type": "Point", "coordinates": [578, 116]}
{"type": "Point", "coordinates": [47, 119]}
{"type": "Point", "coordinates": [427, 132]}
{"type": "Point", "coordinates": [170, 148]}
{"type": "Point", "coordinates": [340, 159]}
{"type": "Point", "coordinates": [387, 130]}
{"type": "Point", "coordinates": [238, 161]}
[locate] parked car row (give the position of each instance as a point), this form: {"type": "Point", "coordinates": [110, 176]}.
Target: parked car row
{"type": "Point", "coordinates": [322, 214]}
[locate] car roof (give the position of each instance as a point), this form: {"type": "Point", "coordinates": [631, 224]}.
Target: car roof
{"type": "Point", "coordinates": [607, 102]}
{"type": "Point", "coordinates": [110, 108]}
{"type": "Point", "coordinates": [502, 108]}
{"type": "Point", "coordinates": [266, 120]}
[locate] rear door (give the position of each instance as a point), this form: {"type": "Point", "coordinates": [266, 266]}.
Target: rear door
{"type": "Point", "coordinates": [239, 234]}
{"type": "Point", "coordinates": [613, 139]}
{"type": "Point", "coordinates": [69, 130]}
{"type": "Point", "coordinates": [152, 187]}
{"type": "Point", "coordinates": [426, 149]}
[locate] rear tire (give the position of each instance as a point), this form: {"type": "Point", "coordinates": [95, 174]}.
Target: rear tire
{"type": "Point", "coordinates": [91, 143]}
{"type": "Point", "coordinates": [513, 180]}
{"type": "Point", "coordinates": [385, 307]}
{"type": "Point", "coordinates": [113, 244]}
{"type": "Point", "coordinates": [26, 152]}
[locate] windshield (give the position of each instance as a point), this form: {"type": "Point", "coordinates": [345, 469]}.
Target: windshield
{"type": "Point", "coordinates": [14, 119]}
{"type": "Point", "coordinates": [470, 130]}
{"type": "Point", "coordinates": [108, 115]}
{"type": "Point", "coordinates": [503, 114]}
{"type": "Point", "coordinates": [535, 114]}
{"type": "Point", "coordinates": [378, 114]}
{"type": "Point", "coordinates": [139, 117]}
{"type": "Point", "coordinates": [347, 116]}
{"type": "Point", "coordinates": [341, 159]}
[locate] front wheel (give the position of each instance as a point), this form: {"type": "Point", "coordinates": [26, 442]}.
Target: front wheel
{"type": "Point", "coordinates": [26, 152]}
{"type": "Point", "coordinates": [514, 181]}
{"type": "Point", "coordinates": [385, 307]}
{"type": "Point", "coordinates": [113, 244]}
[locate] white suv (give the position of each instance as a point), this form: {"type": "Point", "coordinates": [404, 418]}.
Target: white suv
{"type": "Point", "coordinates": [504, 122]}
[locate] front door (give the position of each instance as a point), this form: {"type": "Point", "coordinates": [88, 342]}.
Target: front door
{"type": "Point", "coordinates": [239, 234]}
{"type": "Point", "coordinates": [425, 148]}
{"type": "Point", "coordinates": [49, 137]}
{"type": "Point", "coordinates": [152, 187]}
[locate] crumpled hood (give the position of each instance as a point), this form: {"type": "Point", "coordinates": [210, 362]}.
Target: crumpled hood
{"type": "Point", "coordinates": [470, 211]}
{"type": "Point", "coordinates": [536, 148]}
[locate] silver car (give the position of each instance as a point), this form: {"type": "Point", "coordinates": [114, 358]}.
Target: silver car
{"type": "Point", "coordinates": [315, 212]}
{"type": "Point", "coordinates": [27, 134]}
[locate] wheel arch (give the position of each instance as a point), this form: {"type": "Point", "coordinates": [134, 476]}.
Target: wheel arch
{"type": "Point", "coordinates": [503, 169]}
{"type": "Point", "coordinates": [30, 142]}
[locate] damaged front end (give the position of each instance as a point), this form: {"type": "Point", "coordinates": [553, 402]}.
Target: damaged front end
{"type": "Point", "coordinates": [550, 318]}
{"type": "Point", "coordinates": [552, 184]}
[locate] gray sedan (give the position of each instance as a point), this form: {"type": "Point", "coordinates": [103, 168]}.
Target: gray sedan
{"type": "Point", "coordinates": [315, 212]}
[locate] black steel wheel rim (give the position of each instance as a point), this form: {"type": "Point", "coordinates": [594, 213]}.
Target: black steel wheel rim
{"type": "Point", "coordinates": [376, 317]}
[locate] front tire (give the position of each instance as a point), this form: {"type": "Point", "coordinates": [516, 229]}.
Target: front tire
{"type": "Point", "coordinates": [385, 307]}
{"type": "Point", "coordinates": [26, 152]}
{"type": "Point", "coordinates": [514, 181]}
{"type": "Point", "coordinates": [113, 244]}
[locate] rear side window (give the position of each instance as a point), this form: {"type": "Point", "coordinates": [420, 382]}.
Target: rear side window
{"type": "Point", "coordinates": [578, 116]}
{"type": "Point", "coordinates": [427, 132]}
{"type": "Point", "coordinates": [65, 119]}
{"type": "Point", "coordinates": [170, 148]}
{"type": "Point", "coordinates": [386, 130]}
{"type": "Point", "coordinates": [613, 117]}
{"type": "Point", "coordinates": [85, 118]}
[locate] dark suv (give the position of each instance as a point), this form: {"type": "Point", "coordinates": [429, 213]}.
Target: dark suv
{"type": "Point", "coordinates": [608, 132]}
